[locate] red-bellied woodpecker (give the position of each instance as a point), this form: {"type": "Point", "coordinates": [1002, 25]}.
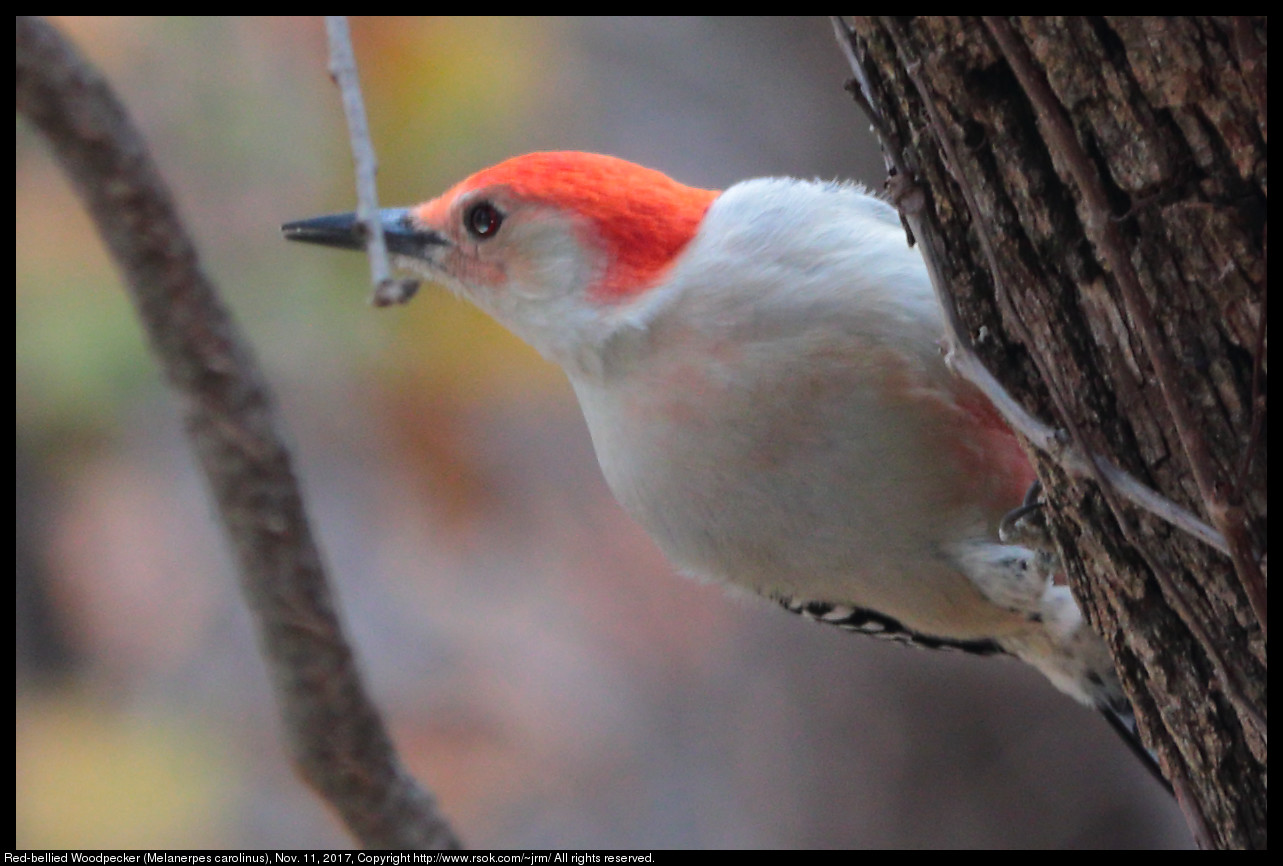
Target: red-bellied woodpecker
{"type": "Point", "coordinates": [761, 374]}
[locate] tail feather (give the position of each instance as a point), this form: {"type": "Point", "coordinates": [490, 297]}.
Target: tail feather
{"type": "Point", "coordinates": [1124, 722]}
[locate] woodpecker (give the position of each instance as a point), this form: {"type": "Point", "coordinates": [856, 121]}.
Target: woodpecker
{"type": "Point", "coordinates": [761, 375]}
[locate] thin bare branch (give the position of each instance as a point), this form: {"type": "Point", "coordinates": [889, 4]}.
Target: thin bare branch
{"type": "Point", "coordinates": [388, 290]}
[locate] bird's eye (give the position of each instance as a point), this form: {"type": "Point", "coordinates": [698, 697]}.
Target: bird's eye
{"type": "Point", "coordinates": [483, 220]}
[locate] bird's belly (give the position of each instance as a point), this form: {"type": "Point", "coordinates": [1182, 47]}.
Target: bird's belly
{"type": "Point", "coordinates": [818, 499]}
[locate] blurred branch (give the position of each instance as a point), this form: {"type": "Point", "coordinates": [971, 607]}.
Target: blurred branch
{"type": "Point", "coordinates": [338, 741]}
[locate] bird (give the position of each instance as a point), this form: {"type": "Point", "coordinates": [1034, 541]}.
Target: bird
{"type": "Point", "coordinates": [761, 374]}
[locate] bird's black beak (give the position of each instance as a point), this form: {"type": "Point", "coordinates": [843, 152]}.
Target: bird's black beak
{"type": "Point", "coordinates": [403, 236]}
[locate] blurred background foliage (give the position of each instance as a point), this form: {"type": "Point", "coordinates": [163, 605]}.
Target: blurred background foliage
{"type": "Point", "coordinates": [544, 671]}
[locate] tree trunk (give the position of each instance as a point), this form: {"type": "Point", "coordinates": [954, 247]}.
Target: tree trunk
{"type": "Point", "coordinates": [1096, 192]}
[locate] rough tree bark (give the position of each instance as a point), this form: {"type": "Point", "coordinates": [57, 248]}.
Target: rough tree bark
{"type": "Point", "coordinates": [1065, 162]}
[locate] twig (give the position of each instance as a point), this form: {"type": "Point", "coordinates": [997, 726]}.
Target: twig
{"type": "Point", "coordinates": [388, 289]}
{"type": "Point", "coordinates": [337, 738]}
